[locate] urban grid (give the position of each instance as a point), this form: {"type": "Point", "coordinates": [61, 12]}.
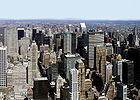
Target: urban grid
{"type": "Point", "coordinates": [69, 60]}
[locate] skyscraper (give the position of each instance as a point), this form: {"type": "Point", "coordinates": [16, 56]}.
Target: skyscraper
{"type": "Point", "coordinates": [81, 73]}
{"type": "Point", "coordinates": [3, 66]}
{"type": "Point", "coordinates": [108, 72]}
{"type": "Point", "coordinates": [33, 68]}
{"type": "Point", "coordinates": [40, 90]}
{"type": "Point", "coordinates": [100, 59]}
{"type": "Point", "coordinates": [74, 87]}
{"type": "Point", "coordinates": [122, 91]}
{"type": "Point", "coordinates": [11, 41]}
{"type": "Point", "coordinates": [67, 42]}
{"type": "Point", "coordinates": [20, 33]}
{"type": "Point", "coordinates": [94, 39]}
{"type": "Point", "coordinates": [59, 82]}
{"type": "Point", "coordinates": [73, 43]}
{"type": "Point", "coordinates": [69, 63]}
{"type": "Point", "coordinates": [128, 72]}
{"type": "Point", "coordinates": [83, 28]}
{"type": "Point", "coordinates": [117, 68]}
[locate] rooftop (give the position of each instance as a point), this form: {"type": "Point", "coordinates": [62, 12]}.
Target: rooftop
{"type": "Point", "coordinates": [40, 78]}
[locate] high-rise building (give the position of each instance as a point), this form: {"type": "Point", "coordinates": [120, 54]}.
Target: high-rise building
{"type": "Point", "coordinates": [117, 68]}
{"type": "Point", "coordinates": [134, 55]}
{"type": "Point", "coordinates": [94, 39]}
{"type": "Point", "coordinates": [39, 38]}
{"type": "Point", "coordinates": [2, 34]}
{"type": "Point", "coordinates": [69, 63]}
{"type": "Point", "coordinates": [23, 46]}
{"type": "Point", "coordinates": [83, 28]}
{"type": "Point", "coordinates": [135, 41]}
{"type": "Point", "coordinates": [58, 42]}
{"type": "Point", "coordinates": [64, 92]}
{"type": "Point", "coordinates": [20, 33]}
{"type": "Point", "coordinates": [81, 71]}
{"type": "Point", "coordinates": [33, 68]}
{"type": "Point", "coordinates": [74, 85]}
{"type": "Point", "coordinates": [3, 66]}
{"type": "Point", "coordinates": [11, 41]}
{"type": "Point", "coordinates": [40, 89]}
{"type": "Point", "coordinates": [108, 72]}
{"type": "Point", "coordinates": [33, 33]}
{"type": "Point", "coordinates": [59, 82]}
{"type": "Point", "coordinates": [67, 42]}
{"type": "Point", "coordinates": [121, 91]}
{"type": "Point", "coordinates": [128, 72]}
{"type": "Point", "coordinates": [73, 43]}
{"type": "Point", "coordinates": [109, 48]}
{"type": "Point", "coordinates": [100, 59]}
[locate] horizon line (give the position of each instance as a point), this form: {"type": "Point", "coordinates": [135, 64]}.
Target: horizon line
{"type": "Point", "coordinates": [69, 19]}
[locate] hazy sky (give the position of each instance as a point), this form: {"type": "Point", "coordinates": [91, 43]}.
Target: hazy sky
{"type": "Point", "coordinates": [70, 9]}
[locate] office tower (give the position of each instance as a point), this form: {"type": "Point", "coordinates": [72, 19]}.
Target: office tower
{"type": "Point", "coordinates": [70, 28]}
{"type": "Point", "coordinates": [117, 68]}
{"type": "Point", "coordinates": [109, 49]}
{"type": "Point", "coordinates": [33, 68]}
{"type": "Point", "coordinates": [67, 42]}
{"type": "Point", "coordinates": [20, 33]}
{"type": "Point", "coordinates": [100, 59]}
{"type": "Point", "coordinates": [121, 91]}
{"type": "Point", "coordinates": [2, 34]}
{"type": "Point", "coordinates": [23, 46]}
{"type": "Point", "coordinates": [39, 38]}
{"type": "Point", "coordinates": [135, 41]}
{"type": "Point", "coordinates": [58, 42]}
{"type": "Point", "coordinates": [81, 73]}
{"type": "Point", "coordinates": [74, 85]}
{"type": "Point", "coordinates": [11, 41]}
{"type": "Point", "coordinates": [134, 55]}
{"type": "Point", "coordinates": [73, 43]}
{"type": "Point", "coordinates": [83, 28]}
{"type": "Point", "coordinates": [34, 31]}
{"type": "Point", "coordinates": [108, 72]}
{"type": "Point", "coordinates": [64, 92]}
{"type": "Point", "coordinates": [59, 82]}
{"type": "Point", "coordinates": [94, 39]}
{"type": "Point", "coordinates": [3, 66]}
{"type": "Point", "coordinates": [47, 40]}
{"type": "Point", "coordinates": [40, 89]}
{"type": "Point", "coordinates": [69, 63]}
{"type": "Point", "coordinates": [133, 38]}
{"type": "Point", "coordinates": [128, 72]}
{"type": "Point", "coordinates": [28, 33]}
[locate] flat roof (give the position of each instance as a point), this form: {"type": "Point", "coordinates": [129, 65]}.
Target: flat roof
{"type": "Point", "coordinates": [40, 78]}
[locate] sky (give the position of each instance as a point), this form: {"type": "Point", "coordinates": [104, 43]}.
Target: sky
{"type": "Point", "coordinates": [70, 9]}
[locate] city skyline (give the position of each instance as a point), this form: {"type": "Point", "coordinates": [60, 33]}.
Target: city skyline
{"type": "Point", "coordinates": [85, 10]}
